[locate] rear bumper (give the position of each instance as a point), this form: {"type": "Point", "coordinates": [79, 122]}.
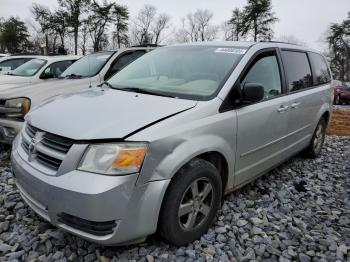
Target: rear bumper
{"type": "Point", "coordinates": [97, 200]}
{"type": "Point", "coordinates": [8, 130]}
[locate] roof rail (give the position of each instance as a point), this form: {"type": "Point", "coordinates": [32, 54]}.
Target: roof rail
{"type": "Point", "coordinates": [277, 42]}
{"type": "Point", "coordinates": [24, 54]}
{"type": "Point", "coordinates": [147, 45]}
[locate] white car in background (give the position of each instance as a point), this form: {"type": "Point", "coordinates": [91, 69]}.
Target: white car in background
{"type": "Point", "coordinates": [9, 63]}
{"type": "Point", "coordinates": [90, 70]}
{"type": "Point", "coordinates": [37, 70]}
{"type": "Point", "coordinates": [3, 55]}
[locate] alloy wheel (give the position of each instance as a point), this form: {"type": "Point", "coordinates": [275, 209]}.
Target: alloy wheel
{"type": "Point", "coordinates": [196, 204]}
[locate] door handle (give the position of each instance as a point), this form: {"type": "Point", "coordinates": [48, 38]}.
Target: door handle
{"type": "Point", "coordinates": [282, 108]}
{"type": "Point", "coordinates": [295, 105]}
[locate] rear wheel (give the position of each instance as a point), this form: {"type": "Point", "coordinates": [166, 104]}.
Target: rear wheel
{"type": "Point", "coordinates": [191, 202]}
{"type": "Point", "coordinates": [317, 140]}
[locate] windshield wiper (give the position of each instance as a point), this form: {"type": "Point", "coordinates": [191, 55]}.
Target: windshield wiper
{"type": "Point", "coordinates": [72, 76]}
{"type": "Point", "coordinates": [142, 91]}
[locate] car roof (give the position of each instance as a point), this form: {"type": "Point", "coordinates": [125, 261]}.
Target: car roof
{"type": "Point", "coordinates": [60, 57]}
{"type": "Point", "coordinates": [48, 58]}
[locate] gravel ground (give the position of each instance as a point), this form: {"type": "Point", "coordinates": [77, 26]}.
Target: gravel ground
{"type": "Point", "coordinates": [299, 211]}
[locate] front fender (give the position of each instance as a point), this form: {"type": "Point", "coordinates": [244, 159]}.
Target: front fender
{"type": "Point", "coordinates": [177, 151]}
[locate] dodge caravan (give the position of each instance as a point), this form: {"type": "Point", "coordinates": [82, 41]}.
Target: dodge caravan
{"type": "Point", "coordinates": [157, 146]}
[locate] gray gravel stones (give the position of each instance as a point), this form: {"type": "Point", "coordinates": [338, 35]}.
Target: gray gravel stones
{"type": "Point", "coordinates": [297, 212]}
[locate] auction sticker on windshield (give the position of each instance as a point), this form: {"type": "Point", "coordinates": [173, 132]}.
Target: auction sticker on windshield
{"type": "Point", "coordinates": [231, 50]}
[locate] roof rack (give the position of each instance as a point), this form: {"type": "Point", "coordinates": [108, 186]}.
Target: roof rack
{"type": "Point", "coordinates": [277, 42]}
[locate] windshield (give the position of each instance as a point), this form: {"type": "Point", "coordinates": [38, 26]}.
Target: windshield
{"type": "Point", "coordinates": [191, 72]}
{"type": "Point", "coordinates": [30, 68]}
{"type": "Point", "coordinates": [88, 65]}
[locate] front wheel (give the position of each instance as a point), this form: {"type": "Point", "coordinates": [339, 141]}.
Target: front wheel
{"type": "Point", "coordinates": [191, 202]}
{"type": "Point", "coordinates": [317, 140]}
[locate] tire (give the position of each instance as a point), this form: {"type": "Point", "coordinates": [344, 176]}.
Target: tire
{"type": "Point", "coordinates": [182, 229]}
{"type": "Point", "coordinates": [317, 140]}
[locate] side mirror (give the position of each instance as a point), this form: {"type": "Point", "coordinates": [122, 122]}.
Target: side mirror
{"type": "Point", "coordinates": [47, 75]}
{"type": "Point", "coordinates": [252, 93]}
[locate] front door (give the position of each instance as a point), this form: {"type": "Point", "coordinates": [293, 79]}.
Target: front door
{"type": "Point", "coordinates": [262, 126]}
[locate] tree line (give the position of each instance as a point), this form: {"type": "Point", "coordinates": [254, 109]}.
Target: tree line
{"type": "Point", "coordinates": [84, 24]}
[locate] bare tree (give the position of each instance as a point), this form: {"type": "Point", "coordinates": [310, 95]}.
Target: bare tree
{"type": "Point", "coordinates": [181, 35]}
{"type": "Point", "coordinates": [84, 33]}
{"type": "Point", "coordinates": [142, 23]}
{"type": "Point", "coordinates": [161, 23]}
{"type": "Point", "coordinates": [203, 18]}
{"type": "Point", "coordinates": [198, 26]}
{"type": "Point", "coordinates": [193, 31]}
{"type": "Point", "coordinates": [42, 15]}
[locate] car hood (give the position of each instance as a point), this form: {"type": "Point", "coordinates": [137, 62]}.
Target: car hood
{"type": "Point", "coordinates": [103, 114]}
{"type": "Point", "coordinates": [41, 91]}
{"type": "Point", "coordinates": [7, 81]}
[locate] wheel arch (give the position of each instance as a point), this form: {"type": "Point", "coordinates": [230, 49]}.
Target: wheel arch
{"type": "Point", "coordinates": [180, 151]}
{"type": "Point", "coordinates": [324, 112]}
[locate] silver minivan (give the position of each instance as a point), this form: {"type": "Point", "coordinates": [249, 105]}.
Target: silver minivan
{"type": "Point", "coordinates": [159, 144]}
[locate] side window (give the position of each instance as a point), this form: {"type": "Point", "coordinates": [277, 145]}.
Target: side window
{"type": "Point", "coordinates": [298, 71]}
{"type": "Point", "coordinates": [56, 69]}
{"type": "Point", "coordinates": [265, 71]}
{"type": "Point", "coordinates": [12, 64]}
{"type": "Point", "coordinates": [320, 69]}
{"type": "Point", "coordinates": [123, 61]}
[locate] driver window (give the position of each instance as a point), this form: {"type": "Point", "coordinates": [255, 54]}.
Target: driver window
{"type": "Point", "coordinates": [265, 71]}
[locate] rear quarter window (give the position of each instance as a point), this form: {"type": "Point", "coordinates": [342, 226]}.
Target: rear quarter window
{"type": "Point", "coordinates": [298, 70]}
{"type": "Point", "coordinates": [320, 69]}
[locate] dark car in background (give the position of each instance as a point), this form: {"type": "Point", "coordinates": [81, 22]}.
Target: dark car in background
{"type": "Point", "coordinates": [341, 92]}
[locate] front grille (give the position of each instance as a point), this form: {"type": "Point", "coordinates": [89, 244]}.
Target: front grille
{"type": "Point", "coordinates": [58, 143]}
{"type": "Point", "coordinates": [91, 227]}
{"type": "Point", "coordinates": [50, 149]}
{"type": "Point", "coordinates": [48, 161]}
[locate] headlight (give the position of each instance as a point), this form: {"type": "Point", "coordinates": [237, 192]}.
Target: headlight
{"type": "Point", "coordinates": [114, 159]}
{"type": "Point", "coordinates": [16, 107]}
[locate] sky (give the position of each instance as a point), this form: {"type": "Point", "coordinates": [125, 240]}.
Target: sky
{"type": "Point", "coordinates": [307, 20]}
